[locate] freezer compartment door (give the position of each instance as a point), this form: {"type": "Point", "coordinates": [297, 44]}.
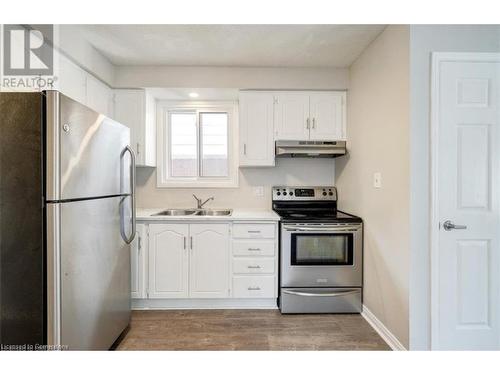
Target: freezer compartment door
{"type": "Point", "coordinates": [320, 300]}
{"type": "Point", "coordinates": [95, 274]}
{"type": "Point", "coordinates": [84, 151]}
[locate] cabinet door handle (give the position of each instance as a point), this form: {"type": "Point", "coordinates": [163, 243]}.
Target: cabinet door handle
{"type": "Point", "coordinates": [244, 148]}
{"type": "Point", "coordinates": [307, 123]}
{"type": "Point", "coordinates": [314, 122]}
{"type": "Point", "coordinates": [184, 242]}
{"type": "Point", "coordinates": [138, 147]}
{"type": "Point", "coordinates": [191, 242]}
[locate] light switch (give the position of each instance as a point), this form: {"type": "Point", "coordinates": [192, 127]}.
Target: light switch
{"type": "Point", "coordinates": [258, 191]}
{"type": "Point", "coordinates": [377, 180]}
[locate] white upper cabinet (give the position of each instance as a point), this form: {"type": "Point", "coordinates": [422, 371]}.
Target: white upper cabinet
{"type": "Point", "coordinates": [269, 116]}
{"type": "Point", "coordinates": [256, 129]}
{"type": "Point", "coordinates": [83, 87]}
{"type": "Point", "coordinates": [291, 116]}
{"type": "Point", "coordinates": [136, 109]}
{"type": "Point", "coordinates": [99, 96]}
{"type": "Point", "coordinates": [327, 116]}
{"type": "Point", "coordinates": [72, 80]}
{"type": "Point", "coordinates": [209, 263]}
{"type": "Point", "coordinates": [302, 116]}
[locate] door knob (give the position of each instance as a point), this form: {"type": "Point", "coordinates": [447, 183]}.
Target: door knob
{"type": "Point", "coordinates": [448, 225]}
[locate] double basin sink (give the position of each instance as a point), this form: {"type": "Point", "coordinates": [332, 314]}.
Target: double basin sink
{"type": "Point", "coordinates": [194, 212]}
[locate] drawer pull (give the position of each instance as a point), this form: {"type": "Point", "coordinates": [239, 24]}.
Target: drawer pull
{"type": "Point", "coordinates": [254, 231]}
{"type": "Point", "coordinates": [253, 249]}
{"type": "Point", "coordinates": [253, 288]}
{"type": "Point", "coordinates": [254, 267]}
{"type": "Point", "coordinates": [334, 294]}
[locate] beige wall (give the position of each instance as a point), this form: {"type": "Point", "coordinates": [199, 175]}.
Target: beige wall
{"type": "Point", "coordinates": [231, 77]}
{"type": "Point", "coordinates": [286, 172]}
{"type": "Point", "coordinates": [378, 141]}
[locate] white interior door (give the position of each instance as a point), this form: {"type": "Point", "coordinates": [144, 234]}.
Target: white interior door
{"type": "Point", "coordinates": [466, 263]}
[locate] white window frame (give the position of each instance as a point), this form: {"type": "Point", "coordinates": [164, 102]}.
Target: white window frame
{"type": "Point", "coordinates": [163, 178]}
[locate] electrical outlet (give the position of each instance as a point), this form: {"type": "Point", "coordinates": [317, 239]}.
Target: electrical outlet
{"type": "Point", "coordinates": [377, 180]}
{"type": "Point", "coordinates": [258, 191]}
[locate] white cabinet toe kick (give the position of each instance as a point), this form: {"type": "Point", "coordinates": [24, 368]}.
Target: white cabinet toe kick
{"type": "Point", "coordinates": [206, 265]}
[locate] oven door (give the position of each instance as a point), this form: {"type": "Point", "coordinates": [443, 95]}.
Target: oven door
{"type": "Point", "coordinates": [327, 255]}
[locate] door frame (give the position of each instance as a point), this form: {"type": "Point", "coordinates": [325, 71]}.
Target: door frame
{"type": "Point", "coordinates": [437, 59]}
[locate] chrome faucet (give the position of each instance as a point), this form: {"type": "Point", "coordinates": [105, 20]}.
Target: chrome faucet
{"type": "Point", "coordinates": [200, 203]}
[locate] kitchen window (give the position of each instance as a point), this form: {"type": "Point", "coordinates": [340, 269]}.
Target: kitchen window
{"type": "Point", "coordinates": [196, 145]}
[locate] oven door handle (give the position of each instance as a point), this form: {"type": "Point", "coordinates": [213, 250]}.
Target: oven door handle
{"type": "Point", "coordinates": [334, 294]}
{"type": "Point", "coordinates": [322, 229]}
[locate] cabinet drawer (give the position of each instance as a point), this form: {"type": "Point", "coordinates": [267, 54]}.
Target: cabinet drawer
{"type": "Point", "coordinates": [253, 230]}
{"type": "Point", "coordinates": [253, 265]}
{"type": "Point", "coordinates": [254, 287]}
{"type": "Point", "coordinates": [251, 248]}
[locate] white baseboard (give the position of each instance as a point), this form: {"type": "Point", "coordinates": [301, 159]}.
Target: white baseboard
{"type": "Point", "coordinates": [205, 303]}
{"type": "Point", "coordinates": [382, 330]}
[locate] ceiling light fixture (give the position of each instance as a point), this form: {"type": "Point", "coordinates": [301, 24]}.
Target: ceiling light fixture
{"type": "Point", "coordinates": [193, 95]}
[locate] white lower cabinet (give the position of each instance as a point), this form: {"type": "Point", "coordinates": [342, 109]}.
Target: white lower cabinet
{"type": "Point", "coordinates": [168, 261]}
{"type": "Point", "coordinates": [139, 263]}
{"type": "Point", "coordinates": [256, 231]}
{"type": "Point", "coordinates": [253, 248]}
{"type": "Point", "coordinates": [179, 264]}
{"type": "Point", "coordinates": [254, 263]}
{"type": "Point", "coordinates": [209, 261]}
{"type": "Point", "coordinates": [254, 286]}
{"type": "Point", "coordinates": [188, 260]}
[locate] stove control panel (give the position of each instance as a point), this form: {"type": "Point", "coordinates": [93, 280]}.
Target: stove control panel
{"type": "Point", "coordinates": [304, 193]}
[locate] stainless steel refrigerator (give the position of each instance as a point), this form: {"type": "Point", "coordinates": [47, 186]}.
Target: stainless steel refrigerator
{"type": "Point", "coordinates": [67, 217]}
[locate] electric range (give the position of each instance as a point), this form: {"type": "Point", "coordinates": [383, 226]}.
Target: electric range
{"type": "Point", "coordinates": [321, 252]}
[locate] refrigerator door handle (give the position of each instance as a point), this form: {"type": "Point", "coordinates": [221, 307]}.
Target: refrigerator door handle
{"type": "Point", "coordinates": [129, 240]}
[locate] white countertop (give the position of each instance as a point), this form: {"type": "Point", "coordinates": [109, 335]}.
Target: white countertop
{"type": "Point", "coordinates": [237, 214]}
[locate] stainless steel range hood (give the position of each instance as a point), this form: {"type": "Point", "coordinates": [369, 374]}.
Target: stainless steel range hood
{"type": "Point", "coordinates": [310, 149]}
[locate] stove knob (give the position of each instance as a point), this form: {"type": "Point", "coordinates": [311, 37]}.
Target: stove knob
{"type": "Point", "coordinates": [324, 193]}
{"type": "Point", "coordinates": [330, 193]}
{"type": "Point", "coordinates": [291, 193]}
{"type": "Point", "coordinates": [284, 193]}
{"type": "Point", "coordinates": [278, 193]}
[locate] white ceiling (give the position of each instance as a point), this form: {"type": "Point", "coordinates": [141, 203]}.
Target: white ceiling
{"type": "Point", "coordinates": [232, 45]}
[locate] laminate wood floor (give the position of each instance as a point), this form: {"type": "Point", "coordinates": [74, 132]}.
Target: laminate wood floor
{"type": "Point", "coordinates": [248, 330]}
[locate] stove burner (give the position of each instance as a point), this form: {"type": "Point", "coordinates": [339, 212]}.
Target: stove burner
{"type": "Point", "coordinates": [309, 204]}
